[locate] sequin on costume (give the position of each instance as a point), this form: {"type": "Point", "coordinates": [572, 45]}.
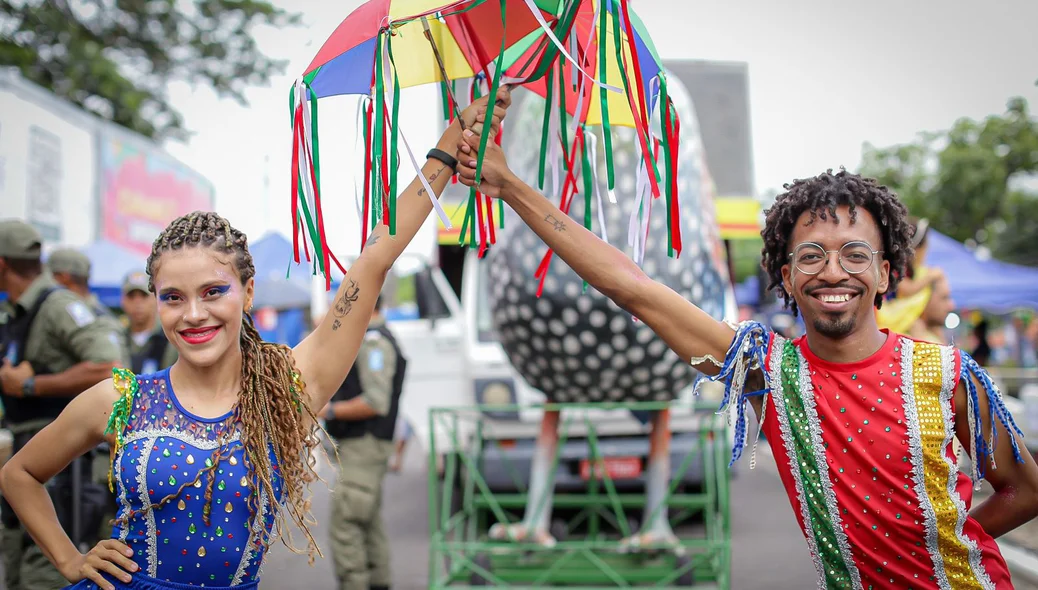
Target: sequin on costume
{"type": "Point", "coordinates": [864, 451]}
{"type": "Point", "coordinates": [162, 446]}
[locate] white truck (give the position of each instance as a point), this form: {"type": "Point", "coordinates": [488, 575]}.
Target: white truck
{"type": "Point", "coordinates": [455, 361]}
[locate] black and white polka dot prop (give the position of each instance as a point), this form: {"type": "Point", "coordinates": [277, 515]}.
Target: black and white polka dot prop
{"type": "Point", "coordinates": [581, 347]}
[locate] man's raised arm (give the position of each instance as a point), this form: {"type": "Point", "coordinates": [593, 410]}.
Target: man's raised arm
{"type": "Point", "coordinates": [688, 331]}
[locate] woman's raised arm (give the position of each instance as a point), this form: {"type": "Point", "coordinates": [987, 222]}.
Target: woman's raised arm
{"type": "Point", "coordinates": [326, 355]}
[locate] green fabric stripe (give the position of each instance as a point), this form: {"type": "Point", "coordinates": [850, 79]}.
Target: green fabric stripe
{"type": "Point", "coordinates": [836, 573]}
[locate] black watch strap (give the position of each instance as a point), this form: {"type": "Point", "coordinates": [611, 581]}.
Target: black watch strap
{"type": "Point", "coordinates": [449, 160]}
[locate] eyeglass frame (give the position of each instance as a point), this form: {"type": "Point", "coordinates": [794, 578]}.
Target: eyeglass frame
{"type": "Point", "coordinates": [839, 257]}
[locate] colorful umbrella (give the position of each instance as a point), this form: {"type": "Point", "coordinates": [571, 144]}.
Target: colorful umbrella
{"type": "Point", "coordinates": [489, 41]}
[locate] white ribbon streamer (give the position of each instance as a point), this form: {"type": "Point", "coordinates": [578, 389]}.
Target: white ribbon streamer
{"type": "Point", "coordinates": [592, 143]}
{"type": "Point", "coordinates": [633, 235]}
{"type": "Point", "coordinates": [433, 197]}
{"type": "Point", "coordinates": [358, 180]}
{"type": "Point", "coordinates": [583, 81]}
{"type": "Point", "coordinates": [305, 146]}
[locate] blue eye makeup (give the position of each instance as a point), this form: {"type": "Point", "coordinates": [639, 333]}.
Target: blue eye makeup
{"type": "Point", "coordinates": [220, 290]}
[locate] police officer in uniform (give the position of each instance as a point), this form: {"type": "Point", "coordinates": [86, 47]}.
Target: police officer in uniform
{"type": "Point", "coordinates": [362, 418]}
{"type": "Point", "coordinates": [53, 350]}
{"type": "Point", "coordinates": [71, 269]}
{"type": "Point", "coordinates": [150, 350]}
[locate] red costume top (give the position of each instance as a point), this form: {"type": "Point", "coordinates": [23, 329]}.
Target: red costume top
{"type": "Point", "coordinates": [865, 453]}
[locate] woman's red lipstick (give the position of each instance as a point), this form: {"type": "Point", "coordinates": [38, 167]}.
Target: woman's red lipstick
{"type": "Point", "coordinates": [199, 335]}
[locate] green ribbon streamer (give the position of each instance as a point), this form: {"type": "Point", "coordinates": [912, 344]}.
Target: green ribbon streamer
{"type": "Point", "coordinates": [394, 133]}
{"type": "Point", "coordinates": [607, 135]}
{"type": "Point", "coordinates": [492, 95]}
{"type": "Point", "coordinates": [305, 216]}
{"type": "Point", "coordinates": [563, 118]}
{"type": "Point", "coordinates": [315, 148]}
{"type": "Point", "coordinates": [545, 129]}
{"type": "Point", "coordinates": [380, 121]}
{"type": "Point", "coordinates": [618, 46]}
{"type": "Point", "coordinates": [668, 157]}
{"type": "Point", "coordinates": [585, 172]}
{"type": "Point", "coordinates": [551, 51]}
{"type": "Point", "coordinates": [470, 212]}
{"type": "Point", "coordinates": [445, 100]}
{"type": "Point", "coordinates": [470, 220]}
{"type": "Point", "coordinates": [311, 227]}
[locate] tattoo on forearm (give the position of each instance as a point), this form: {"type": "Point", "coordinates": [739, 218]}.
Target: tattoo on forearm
{"type": "Point", "coordinates": [371, 240]}
{"type": "Point", "coordinates": [434, 176]}
{"type": "Point", "coordinates": [344, 304]}
{"type": "Point", "coordinates": [557, 223]}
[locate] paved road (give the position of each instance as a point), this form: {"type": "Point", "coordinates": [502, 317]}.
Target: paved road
{"type": "Point", "coordinates": [765, 537]}
{"type": "Point", "coordinates": [766, 543]}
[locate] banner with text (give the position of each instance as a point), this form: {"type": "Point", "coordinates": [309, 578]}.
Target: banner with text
{"type": "Point", "coordinates": [142, 190]}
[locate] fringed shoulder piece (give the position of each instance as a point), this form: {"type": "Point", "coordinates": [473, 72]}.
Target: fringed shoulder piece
{"type": "Point", "coordinates": [982, 450]}
{"type": "Point", "coordinates": [126, 384]}
{"type": "Point", "coordinates": [747, 353]}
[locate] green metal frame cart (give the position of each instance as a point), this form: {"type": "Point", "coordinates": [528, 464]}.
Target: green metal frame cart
{"type": "Point", "coordinates": [589, 553]}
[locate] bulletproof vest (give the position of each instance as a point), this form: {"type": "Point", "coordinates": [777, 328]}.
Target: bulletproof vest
{"type": "Point", "coordinates": [15, 337]}
{"type": "Point", "coordinates": [381, 427]}
{"type": "Point", "coordinates": [149, 358]}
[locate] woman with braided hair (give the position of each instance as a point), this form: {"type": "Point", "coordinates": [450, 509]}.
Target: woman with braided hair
{"type": "Point", "coordinates": [213, 453]}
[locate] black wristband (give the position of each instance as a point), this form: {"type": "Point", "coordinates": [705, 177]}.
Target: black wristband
{"type": "Point", "coordinates": [449, 160]}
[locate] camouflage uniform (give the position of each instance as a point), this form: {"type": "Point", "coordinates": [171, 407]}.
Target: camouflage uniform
{"type": "Point", "coordinates": [64, 333]}
{"type": "Point", "coordinates": [360, 548]}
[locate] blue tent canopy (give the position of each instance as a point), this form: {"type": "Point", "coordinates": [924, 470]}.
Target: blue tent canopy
{"type": "Point", "coordinates": [109, 265]}
{"type": "Point", "coordinates": [280, 282]}
{"type": "Point", "coordinates": [988, 285]}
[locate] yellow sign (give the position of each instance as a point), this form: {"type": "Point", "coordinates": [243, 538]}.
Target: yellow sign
{"type": "Point", "coordinates": [737, 217]}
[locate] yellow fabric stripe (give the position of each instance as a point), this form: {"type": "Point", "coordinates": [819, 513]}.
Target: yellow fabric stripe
{"type": "Point", "coordinates": [415, 61]}
{"type": "Point", "coordinates": [935, 432]}
{"type": "Point", "coordinates": [619, 108]}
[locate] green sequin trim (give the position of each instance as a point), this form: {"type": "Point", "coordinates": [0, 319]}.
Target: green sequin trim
{"type": "Point", "coordinates": [836, 573]}
{"type": "Point", "coordinates": [126, 384]}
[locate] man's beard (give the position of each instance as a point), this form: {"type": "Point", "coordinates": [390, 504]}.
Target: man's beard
{"type": "Point", "coordinates": [835, 327]}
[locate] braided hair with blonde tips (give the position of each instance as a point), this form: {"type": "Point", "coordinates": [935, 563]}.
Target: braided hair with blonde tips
{"type": "Point", "coordinates": [273, 408]}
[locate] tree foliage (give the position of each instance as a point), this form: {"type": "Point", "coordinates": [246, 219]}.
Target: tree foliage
{"type": "Point", "coordinates": [116, 57]}
{"type": "Point", "coordinates": [976, 182]}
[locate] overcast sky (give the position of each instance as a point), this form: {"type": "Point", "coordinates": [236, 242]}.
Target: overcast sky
{"type": "Point", "coordinates": [824, 78]}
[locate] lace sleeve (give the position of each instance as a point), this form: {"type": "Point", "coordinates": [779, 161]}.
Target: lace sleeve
{"type": "Point", "coordinates": [982, 451]}
{"type": "Point", "coordinates": [746, 353]}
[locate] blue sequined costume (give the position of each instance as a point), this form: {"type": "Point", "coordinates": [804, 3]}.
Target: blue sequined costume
{"type": "Point", "coordinates": [163, 447]}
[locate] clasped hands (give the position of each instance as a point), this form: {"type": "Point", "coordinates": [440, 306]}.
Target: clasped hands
{"type": "Point", "coordinates": [495, 174]}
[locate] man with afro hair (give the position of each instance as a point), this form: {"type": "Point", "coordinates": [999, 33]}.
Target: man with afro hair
{"type": "Point", "coordinates": [860, 419]}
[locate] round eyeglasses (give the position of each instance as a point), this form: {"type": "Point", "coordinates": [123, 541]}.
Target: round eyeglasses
{"type": "Point", "coordinates": [854, 257]}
